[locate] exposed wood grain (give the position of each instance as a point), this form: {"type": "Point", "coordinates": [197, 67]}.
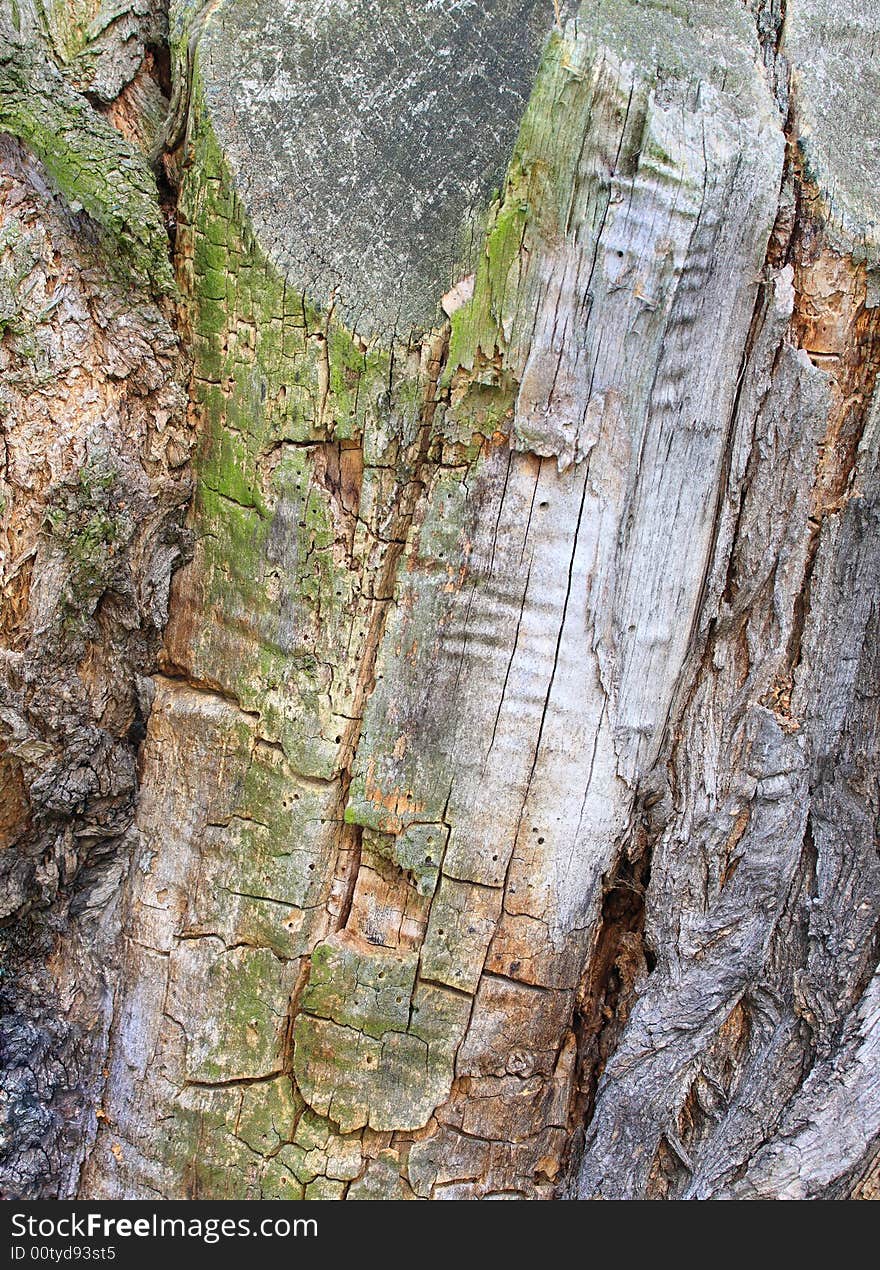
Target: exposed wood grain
{"type": "Point", "coordinates": [506, 816]}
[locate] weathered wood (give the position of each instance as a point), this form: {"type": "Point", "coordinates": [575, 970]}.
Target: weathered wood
{"type": "Point", "coordinates": [506, 817]}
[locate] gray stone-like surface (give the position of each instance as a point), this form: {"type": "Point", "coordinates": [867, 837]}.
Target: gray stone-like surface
{"type": "Point", "coordinates": [367, 137]}
{"type": "Point", "coordinates": [834, 50]}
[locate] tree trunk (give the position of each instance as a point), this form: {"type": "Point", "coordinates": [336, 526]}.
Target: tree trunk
{"type": "Point", "coordinates": [440, 730]}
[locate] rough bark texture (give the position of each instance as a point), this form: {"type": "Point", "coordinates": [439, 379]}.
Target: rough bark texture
{"type": "Point", "coordinates": [491, 807]}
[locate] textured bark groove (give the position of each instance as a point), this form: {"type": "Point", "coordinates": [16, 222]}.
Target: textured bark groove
{"type": "Point", "coordinates": [95, 445]}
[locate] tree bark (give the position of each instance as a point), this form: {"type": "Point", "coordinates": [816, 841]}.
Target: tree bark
{"type": "Point", "coordinates": [440, 732]}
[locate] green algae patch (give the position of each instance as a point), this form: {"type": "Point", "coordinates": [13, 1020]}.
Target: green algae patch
{"type": "Point", "coordinates": [418, 850]}
{"type": "Point", "coordinates": [381, 1180]}
{"type": "Point", "coordinates": [277, 1181]}
{"type": "Point", "coordinates": [372, 1045]}
{"type": "Point", "coordinates": [367, 990]}
{"type": "Point", "coordinates": [483, 327]}
{"type": "Point", "coordinates": [268, 1114]}
{"type": "Point", "coordinates": [266, 849]}
{"type": "Point", "coordinates": [278, 387]}
{"type": "Point", "coordinates": [234, 1004]}
{"type": "Point", "coordinates": [479, 326]}
{"type": "Point", "coordinates": [91, 165]}
{"type": "Point", "coordinates": [202, 1149]}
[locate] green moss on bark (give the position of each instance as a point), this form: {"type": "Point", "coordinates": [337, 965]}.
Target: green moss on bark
{"type": "Point", "coordinates": [90, 163]}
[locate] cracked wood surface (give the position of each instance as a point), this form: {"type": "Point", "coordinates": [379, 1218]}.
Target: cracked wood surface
{"type": "Point", "coordinates": [507, 810]}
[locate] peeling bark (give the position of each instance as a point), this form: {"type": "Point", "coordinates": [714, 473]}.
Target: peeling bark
{"type": "Point", "coordinates": [94, 490]}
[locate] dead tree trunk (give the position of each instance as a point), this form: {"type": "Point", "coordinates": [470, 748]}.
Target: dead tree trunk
{"type": "Point", "coordinates": [491, 806]}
